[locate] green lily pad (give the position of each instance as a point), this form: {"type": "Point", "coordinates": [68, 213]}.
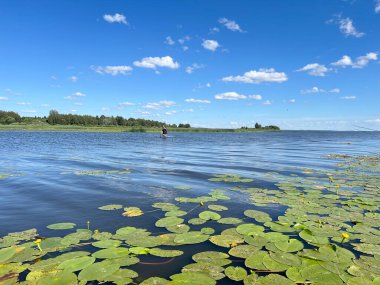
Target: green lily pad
{"type": "Point", "coordinates": [275, 279]}
{"type": "Point", "coordinates": [212, 257]}
{"type": "Point", "coordinates": [155, 281]}
{"type": "Point", "coordinates": [217, 207]}
{"type": "Point", "coordinates": [243, 251]}
{"type": "Point", "coordinates": [59, 278]}
{"type": "Point", "coordinates": [191, 237]}
{"type": "Point", "coordinates": [192, 278]}
{"type": "Point", "coordinates": [165, 253]}
{"type": "Point", "coordinates": [132, 212]}
{"type": "Point", "coordinates": [255, 261]}
{"type": "Point", "coordinates": [76, 264]}
{"type": "Point", "coordinates": [259, 216]}
{"type": "Point", "coordinates": [176, 213]}
{"type": "Point", "coordinates": [209, 215]}
{"type": "Point", "coordinates": [61, 226]}
{"type": "Point", "coordinates": [308, 236]}
{"type": "Point", "coordinates": [291, 245]}
{"type": "Point", "coordinates": [214, 271]}
{"type": "Point", "coordinates": [226, 240]}
{"type": "Point", "coordinates": [126, 260]}
{"type": "Point", "coordinates": [169, 222]}
{"type": "Point", "coordinates": [230, 221]}
{"type": "Point", "coordinates": [98, 271]}
{"type": "Point", "coordinates": [235, 273]}
{"type": "Point", "coordinates": [179, 229]}
{"type": "Point", "coordinates": [7, 253]}
{"type": "Point", "coordinates": [286, 258]}
{"type": "Point", "coordinates": [196, 221]}
{"type": "Point", "coordinates": [249, 229]}
{"type": "Point", "coordinates": [122, 277]}
{"type": "Point", "coordinates": [208, 231]}
{"type": "Point", "coordinates": [139, 250]}
{"type": "Point", "coordinates": [110, 207]}
{"type": "Point", "coordinates": [107, 243]}
{"type": "Point", "coordinates": [112, 252]}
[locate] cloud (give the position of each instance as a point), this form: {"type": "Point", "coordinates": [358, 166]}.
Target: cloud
{"type": "Point", "coordinates": [210, 45]}
{"type": "Point", "coordinates": [113, 69]}
{"type": "Point", "coordinates": [292, 100]}
{"type": "Point", "coordinates": [230, 24]}
{"type": "Point", "coordinates": [191, 100]}
{"type": "Point", "coordinates": [360, 61]}
{"type": "Point", "coordinates": [78, 104]}
{"type": "Point", "coordinates": [169, 41]}
{"type": "Point", "coordinates": [377, 6]}
{"type": "Point", "coordinates": [154, 62]}
{"type": "Point", "coordinates": [255, 97]}
{"type": "Point", "coordinates": [126, 104]}
{"type": "Point", "coordinates": [3, 98]}
{"type": "Point", "coordinates": [375, 121]}
{"type": "Point", "coordinates": [45, 105]}
{"type": "Point", "coordinates": [23, 103]}
{"type": "Point", "coordinates": [343, 62]}
{"type": "Point", "coordinates": [184, 40]}
{"type": "Point", "coordinates": [315, 69]}
{"type": "Point", "coordinates": [214, 30]}
{"type": "Point", "coordinates": [73, 78]}
{"type": "Point", "coordinates": [335, 90]}
{"type": "Point", "coordinates": [190, 69]}
{"type": "Point", "coordinates": [346, 26]}
{"type": "Point", "coordinates": [348, 97]}
{"type": "Point", "coordinates": [79, 94]}
{"type": "Point", "coordinates": [313, 90]}
{"type": "Point", "coordinates": [262, 75]}
{"type": "Point", "coordinates": [230, 96]}
{"type": "Point", "coordinates": [117, 18]}
{"type": "Point", "coordinates": [159, 105]}
{"type": "Point", "coordinates": [267, 102]}
{"type": "Point", "coordinates": [208, 85]}
{"type": "Point", "coordinates": [70, 98]}
{"type": "Point", "coordinates": [170, 112]}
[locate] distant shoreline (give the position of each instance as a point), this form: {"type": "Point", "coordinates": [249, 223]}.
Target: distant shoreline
{"type": "Point", "coordinates": [120, 129]}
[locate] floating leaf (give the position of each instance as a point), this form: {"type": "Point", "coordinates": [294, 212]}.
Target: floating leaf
{"type": "Point", "coordinates": [179, 229]}
{"type": "Point", "coordinates": [122, 277]}
{"type": "Point", "coordinates": [308, 236]}
{"type": "Point", "coordinates": [132, 212]}
{"type": "Point", "coordinates": [7, 253]}
{"type": "Point", "coordinates": [214, 271]}
{"type": "Point", "coordinates": [226, 240]}
{"type": "Point", "coordinates": [209, 215]}
{"type": "Point", "coordinates": [217, 207]}
{"type": "Point", "coordinates": [59, 278]}
{"type": "Point", "coordinates": [110, 207]}
{"type": "Point", "coordinates": [107, 243]}
{"type": "Point", "coordinates": [212, 258]}
{"type": "Point", "coordinates": [98, 271]}
{"type": "Point", "coordinates": [235, 273]}
{"type": "Point", "coordinates": [139, 250]}
{"type": "Point", "coordinates": [165, 253]}
{"type": "Point", "coordinates": [255, 261]}
{"type": "Point", "coordinates": [230, 221]}
{"type": "Point", "coordinates": [259, 216]}
{"type": "Point", "coordinates": [243, 251]}
{"type": "Point", "coordinates": [208, 231]}
{"type": "Point", "coordinates": [77, 263]}
{"type": "Point", "coordinates": [169, 222]}
{"type": "Point", "coordinates": [191, 237]}
{"type": "Point", "coordinates": [192, 278]}
{"type": "Point", "coordinates": [291, 245]}
{"type": "Point", "coordinates": [155, 281]}
{"type": "Point", "coordinates": [61, 226]}
{"type": "Point", "coordinates": [112, 252]}
{"type": "Point", "coordinates": [196, 221]}
{"type": "Point", "coordinates": [249, 229]}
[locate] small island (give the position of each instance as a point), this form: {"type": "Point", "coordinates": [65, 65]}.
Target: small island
{"type": "Point", "coordinates": [55, 121]}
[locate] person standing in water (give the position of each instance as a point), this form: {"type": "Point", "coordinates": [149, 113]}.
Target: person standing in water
{"type": "Point", "coordinates": [164, 131]}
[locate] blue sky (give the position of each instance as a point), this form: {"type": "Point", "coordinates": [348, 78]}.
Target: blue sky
{"type": "Point", "coordinates": [211, 63]}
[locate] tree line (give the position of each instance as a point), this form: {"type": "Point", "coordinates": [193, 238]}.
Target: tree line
{"type": "Point", "coordinates": [259, 126]}
{"type": "Point", "coordinates": [55, 118]}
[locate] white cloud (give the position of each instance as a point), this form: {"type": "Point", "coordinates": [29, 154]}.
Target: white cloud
{"type": "Point", "coordinates": [78, 104]}
{"type": "Point", "coordinates": [210, 45]}
{"type": "Point", "coordinates": [267, 102]}
{"type": "Point", "coordinates": [23, 103]}
{"type": "Point", "coordinates": [190, 69]}
{"type": "Point", "coordinates": [230, 24]}
{"type": "Point", "coordinates": [73, 111]}
{"type": "Point", "coordinates": [170, 112]}
{"type": "Point", "coordinates": [3, 98]}
{"type": "Point", "coordinates": [313, 90]}
{"type": "Point", "coordinates": [343, 62]}
{"type": "Point", "coordinates": [208, 85]}
{"type": "Point", "coordinates": [262, 75]}
{"type": "Point", "coordinates": [292, 100]}
{"type": "Point", "coordinates": [346, 26]}
{"type": "Point", "coordinates": [375, 121]}
{"type": "Point", "coordinates": [230, 96]}
{"type": "Point", "coordinates": [73, 78]}
{"type": "Point", "coordinates": [255, 97]}
{"type": "Point", "coordinates": [169, 41]}
{"type": "Point", "coordinates": [113, 69]}
{"type": "Point", "coordinates": [315, 69]}
{"type": "Point", "coordinates": [53, 77]}
{"type": "Point", "coordinates": [335, 90]}
{"type": "Point", "coordinates": [45, 105]}
{"type": "Point", "coordinates": [126, 104]}
{"type": "Point", "coordinates": [159, 105]}
{"type": "Point", "coordinates": [184, 40]}
{"type": "Point", "coordinates": [79, 94]}
{"type": "Point", "coordinates": [348, 97]}
{"type": "Point", "coordinates": [360, 61]}
{"type": "Point", "coordinates": [154, 62]}
{"type": "Point", "coordinates": [189, 110]}
{"type": "Point", "coordinates": [377, 6]}
{"type": "Point", "coordinates": [70, 98]}
{"type": "Point", "coordinates": [192, 100]}
{"type": "Point", "coordinates": [117, 18]}
{"type": "Point", "coordinates": [214, 30]}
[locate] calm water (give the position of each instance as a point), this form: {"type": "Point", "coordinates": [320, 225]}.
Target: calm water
{"type": "Point", "coordinates": [43, 188]}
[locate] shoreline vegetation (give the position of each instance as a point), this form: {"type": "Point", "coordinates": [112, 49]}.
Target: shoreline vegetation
{"type": "Point", "coordinates": [12, 121]}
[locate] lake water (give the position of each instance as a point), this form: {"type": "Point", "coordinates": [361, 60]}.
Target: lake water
{"type": "Point", "coordinates": [41, 186]}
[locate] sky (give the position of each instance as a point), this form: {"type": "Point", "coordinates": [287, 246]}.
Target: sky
{"type": "Point", "coordinates": [210, 63]}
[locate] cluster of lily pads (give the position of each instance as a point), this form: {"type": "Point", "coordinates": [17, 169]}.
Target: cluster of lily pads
{"type": "Point", "coordinates": [328, 233]}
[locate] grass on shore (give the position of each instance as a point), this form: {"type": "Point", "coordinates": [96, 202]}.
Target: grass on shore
{"type": "Point", "coordinates": [115, 129]}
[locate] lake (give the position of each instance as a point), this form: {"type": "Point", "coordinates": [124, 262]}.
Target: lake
{"type": "Point", "coordinates": [54, 177]}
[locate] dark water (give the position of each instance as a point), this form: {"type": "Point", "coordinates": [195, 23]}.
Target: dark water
{"type": "Point", "coordinates": [43, 188]}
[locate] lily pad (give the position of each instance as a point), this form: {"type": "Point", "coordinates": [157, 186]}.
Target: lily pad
{"type": "Point", "coordinates": [214, 271]}
{"type": "Point", "coordinates": [59, 278]}
{"type": "Point", "coordinates": [209, 215]}
{"type": "Point", "coordinates": [217, 207]}
{"type": "Point", "coordinates": [76, 264]}
{"type": "Point", "coordinates": [155, 281]}
{"type": "Point", "coordinates": [112, 252]}
{"type": "Point", "coordinates": [169, 222]}
{"type": "Point", "coordinates": [98, 271]}
{"type": "Point", "coordinates": [7, 253]}
{"type": "Point", "coordinates": [165, 253]}
{"type": "Point", "coordinates": [243, 251]}
{"type": "Point", "coordinates": [249, 229]}
{"type": "Point", "coordinates": [192, 278]}
{"type": "Point", "coordinates": [132, 212]}
{"type": "Point", "coordinates": [110, 207]}
{"type": "Point", "coordinates": [235, 273]}
{"type": "Point", "coordinates": [230, 221]}
{"type": "Point", "coordinates": [107, 243]}
{"type": "Point", "coordinates": [291, 245]}
{"type": "Point", "coordinates": [61, 226]}
{"type": "Point", "coordinates": [212, 258]}
{"type": "Point", "coordinates": [191, 237]}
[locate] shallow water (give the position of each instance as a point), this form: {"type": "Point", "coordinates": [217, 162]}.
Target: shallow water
{"type": "Point", "coordinates": [43, 188]}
